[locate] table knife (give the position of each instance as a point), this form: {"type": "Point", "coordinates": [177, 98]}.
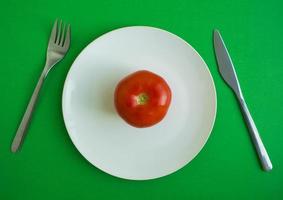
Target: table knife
{"type": "Point", "coordinates": [229, 75]}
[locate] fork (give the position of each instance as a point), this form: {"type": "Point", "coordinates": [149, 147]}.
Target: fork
{"type": "Point", "coordinates": [58, 46]}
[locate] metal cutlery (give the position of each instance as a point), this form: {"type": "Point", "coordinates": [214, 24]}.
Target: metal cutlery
{"type": "Point", "coordinates": [229, 75]}
{"type": "Point", "coordinates": [58, 46]}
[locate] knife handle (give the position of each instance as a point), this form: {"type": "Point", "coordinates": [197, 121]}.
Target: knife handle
{"type": "Point", "coordinates": [260, 149]}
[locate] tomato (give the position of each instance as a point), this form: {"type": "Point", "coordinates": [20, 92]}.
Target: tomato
{"type": "Point", "coordinates": [142, 98]}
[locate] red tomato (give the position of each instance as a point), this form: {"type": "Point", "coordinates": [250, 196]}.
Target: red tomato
{"type": "Point", "coordinates": [142, 98]}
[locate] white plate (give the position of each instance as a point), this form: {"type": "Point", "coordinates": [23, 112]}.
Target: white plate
{"type": "Point", "coordinates": [103, 138]}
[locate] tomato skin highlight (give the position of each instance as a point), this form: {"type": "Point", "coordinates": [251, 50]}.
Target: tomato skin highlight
{"type": "Point", "coordinates": [142, 98]}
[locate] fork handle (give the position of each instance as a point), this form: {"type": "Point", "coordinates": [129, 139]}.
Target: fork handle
{"type": "Point", "coordinates": [260, 149]}
{"type": "Point", "coordinates": [28, 113]}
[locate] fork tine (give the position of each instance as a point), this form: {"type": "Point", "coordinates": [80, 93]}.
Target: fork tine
{"type": "Point", "coordinates": [53, 32]}
{"type": "Point", "coordinates": [67, 37]}
{"type": "Point", "coordinates": [59, 33]}
{"type": "Point", "coordinates": [62, 37]}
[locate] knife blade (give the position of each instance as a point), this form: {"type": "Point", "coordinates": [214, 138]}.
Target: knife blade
{"type": "Point", "coordinates": [228, 73]}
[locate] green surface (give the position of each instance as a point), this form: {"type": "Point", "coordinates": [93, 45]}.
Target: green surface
{"type": "Point", "coordinates": [49, 166]}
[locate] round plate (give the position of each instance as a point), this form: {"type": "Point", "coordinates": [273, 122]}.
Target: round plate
{"type": "Point", "coordinates": [108, 142]}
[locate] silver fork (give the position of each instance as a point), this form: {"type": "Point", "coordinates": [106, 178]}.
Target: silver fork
{"type": "Point", "coordinates": [58, 46]}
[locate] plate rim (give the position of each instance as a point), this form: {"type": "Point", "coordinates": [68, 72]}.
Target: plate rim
{"type": "Point", "coordinates": [175, 36]}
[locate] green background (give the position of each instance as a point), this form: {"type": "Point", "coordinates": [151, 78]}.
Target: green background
{"type": "Point", "coordinates": [49, 166]}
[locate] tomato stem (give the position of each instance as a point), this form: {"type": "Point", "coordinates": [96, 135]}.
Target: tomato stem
{"type": "Point", "coordinates": [142, 99]}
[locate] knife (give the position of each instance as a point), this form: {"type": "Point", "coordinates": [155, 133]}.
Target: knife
{"type": "Point", "coordinates": [229, 75]}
